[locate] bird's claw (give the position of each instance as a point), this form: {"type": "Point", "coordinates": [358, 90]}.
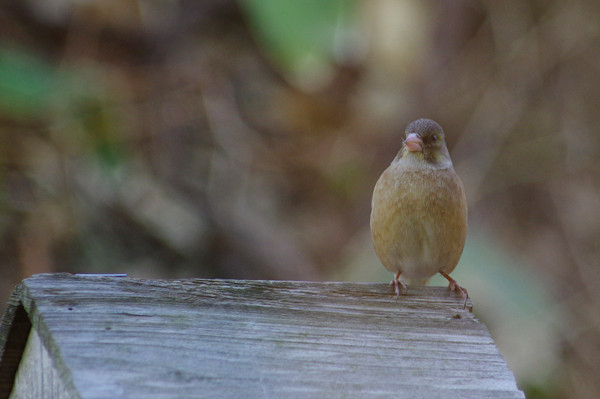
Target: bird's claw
{"type": "Point", "coordinates": [397, 283]}
{"type": "Point", "coordinates": [453, 286]}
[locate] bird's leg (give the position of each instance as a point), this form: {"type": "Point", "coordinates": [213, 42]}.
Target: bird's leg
{"type": "Point", "coordinates": [453, 286]}
{"type": "Point", "coordinates": [397, 283]}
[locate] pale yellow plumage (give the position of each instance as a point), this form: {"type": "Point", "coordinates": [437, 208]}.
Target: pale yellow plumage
{"type": "Point", "coordinates": [419, 211]}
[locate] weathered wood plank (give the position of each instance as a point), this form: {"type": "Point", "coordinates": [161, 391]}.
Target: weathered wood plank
{"type": "Point", "coordinates": [119, 337]}
{"type": "Point", "coordinates": [38, 376]}
{"type": "Point", "coordinates": [14, 331]}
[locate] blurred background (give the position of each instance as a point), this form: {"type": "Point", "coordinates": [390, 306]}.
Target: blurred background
{"type": "Point", "coordinates": [242, 139]}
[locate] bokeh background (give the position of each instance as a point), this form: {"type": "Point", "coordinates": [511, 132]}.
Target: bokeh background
{"type": "Point", "coordinates": [242, 139]}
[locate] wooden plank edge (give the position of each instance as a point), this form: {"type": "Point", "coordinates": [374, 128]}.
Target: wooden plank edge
{"type": "Point", "coordinates": [14, 331]}
{"type": "Point", "coordinates": [20, 316]}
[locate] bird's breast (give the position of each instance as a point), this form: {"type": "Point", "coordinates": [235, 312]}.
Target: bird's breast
{"type": "Point", "coordinates": [418, 220]}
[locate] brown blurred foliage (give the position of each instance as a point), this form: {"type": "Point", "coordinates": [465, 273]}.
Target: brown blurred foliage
{"type": "Point", "coordinates": [168, 143]}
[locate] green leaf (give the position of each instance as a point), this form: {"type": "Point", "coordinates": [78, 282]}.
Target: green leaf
{"type": "Point", "coordinates": [27, 83]}
{"type": "Point", "coordinates": [303, 37]}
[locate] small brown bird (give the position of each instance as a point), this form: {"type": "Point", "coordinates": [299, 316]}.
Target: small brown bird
{"type": "Point", "coordinates": [419, 210]}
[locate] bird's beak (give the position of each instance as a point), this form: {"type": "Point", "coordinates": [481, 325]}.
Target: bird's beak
{"type": "Point", "coordinates": [414, 143]}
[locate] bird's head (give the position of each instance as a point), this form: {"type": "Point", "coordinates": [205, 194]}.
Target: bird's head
{"type": "Point", "coordinates": [425, 140]}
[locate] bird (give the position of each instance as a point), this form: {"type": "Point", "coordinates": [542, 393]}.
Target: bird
{"type": "Point", "coordinates": [419, 210]}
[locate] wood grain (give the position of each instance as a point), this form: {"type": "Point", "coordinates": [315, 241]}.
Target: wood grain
{"type": "Point", "coordinates": [37, 375]}
{"type": "Point", "coordinates": [128, 338]}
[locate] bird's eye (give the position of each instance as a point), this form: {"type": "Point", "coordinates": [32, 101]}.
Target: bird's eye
{"type": "Point", "coordinates": [434, 137]}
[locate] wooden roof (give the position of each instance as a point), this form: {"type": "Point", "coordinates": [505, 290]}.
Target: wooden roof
{"type": "Point", "coordinates": [112, 337]}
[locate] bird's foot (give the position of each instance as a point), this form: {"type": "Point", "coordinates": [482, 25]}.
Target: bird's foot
{"type": "Point", "coordinates": [453, 286]}
{"type": "Point", "coordinates": [397, 283]}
